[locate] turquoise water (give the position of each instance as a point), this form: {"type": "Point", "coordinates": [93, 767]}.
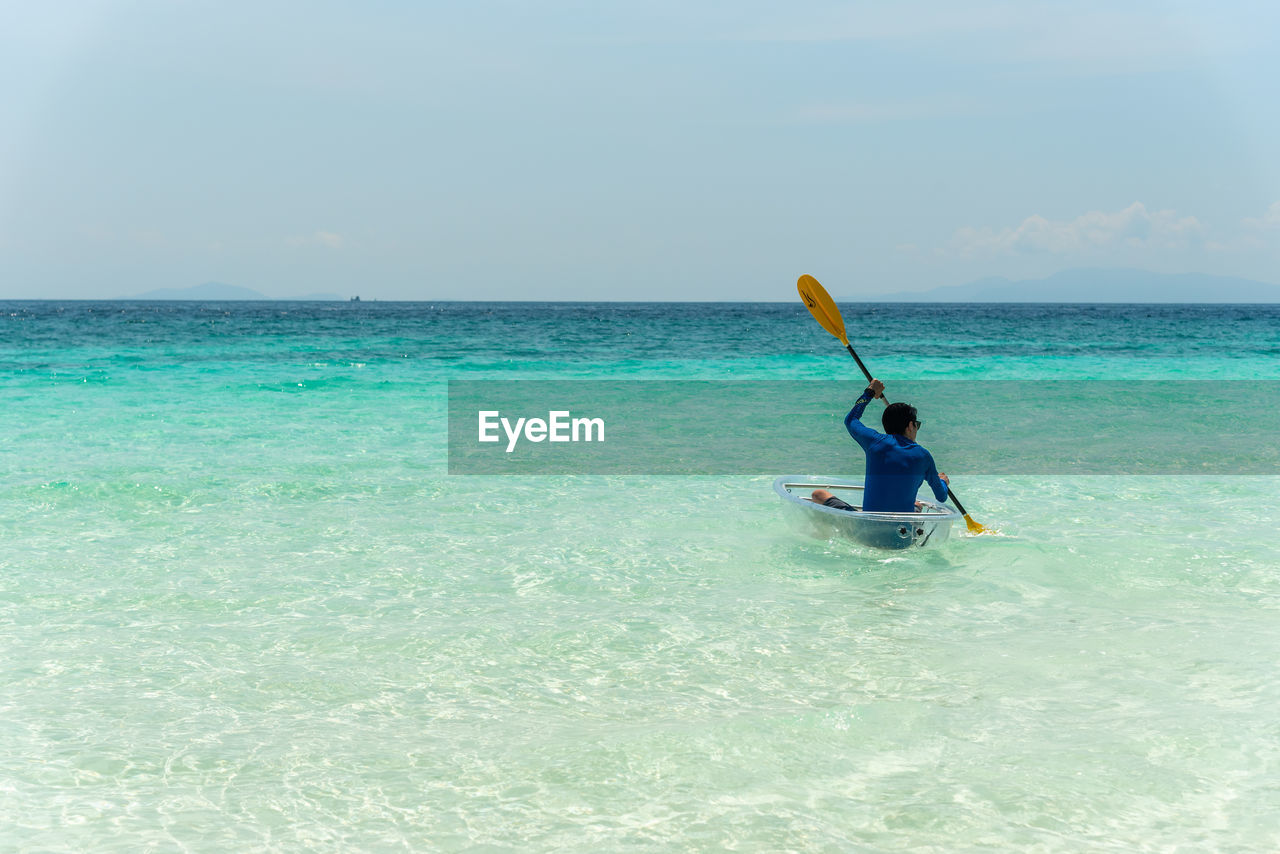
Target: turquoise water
{"type": "Point", "coordinates": [244, 608]}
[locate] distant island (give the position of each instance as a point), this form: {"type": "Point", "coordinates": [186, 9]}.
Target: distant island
{"type": "Point", "coordinates": [219, 292]}
{"type": "Point", "coordinates": [1097, 285]}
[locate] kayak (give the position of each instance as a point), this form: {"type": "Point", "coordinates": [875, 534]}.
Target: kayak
{"type": "Point", "coordinates": [930, 526]}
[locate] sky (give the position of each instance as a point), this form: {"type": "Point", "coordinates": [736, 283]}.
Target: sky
{"type": "Point", "coordinates": [657, 150]}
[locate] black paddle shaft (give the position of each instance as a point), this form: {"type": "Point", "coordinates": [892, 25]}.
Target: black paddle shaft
{"type": "Point", "coordinates": [867, 374]}
{"type": "Point", "coordinates": [854, 354]}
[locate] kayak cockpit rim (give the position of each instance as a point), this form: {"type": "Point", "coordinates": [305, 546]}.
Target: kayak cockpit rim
{"type": "Point", "coordinates": [799, 489]}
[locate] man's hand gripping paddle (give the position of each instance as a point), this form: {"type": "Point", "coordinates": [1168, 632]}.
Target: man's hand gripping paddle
{"type": "Point", "coordinates": [823, 308]}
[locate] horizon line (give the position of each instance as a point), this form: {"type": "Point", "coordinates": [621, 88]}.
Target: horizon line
{"type": "Point", "coordinates": [873, 301]}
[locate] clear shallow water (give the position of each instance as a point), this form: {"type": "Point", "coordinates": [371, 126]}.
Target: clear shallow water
{"type": "Point", "coordinates": [242, 606]}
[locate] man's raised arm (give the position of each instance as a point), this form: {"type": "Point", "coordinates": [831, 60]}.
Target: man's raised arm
{"type": "Point", "coordinates": [861, 433]}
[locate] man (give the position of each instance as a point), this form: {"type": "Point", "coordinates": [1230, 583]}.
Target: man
{"type": "Point", "coordinates": [896, 465]}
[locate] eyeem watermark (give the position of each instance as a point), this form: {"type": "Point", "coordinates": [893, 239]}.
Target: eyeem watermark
{"type": "Point", "coordinates": [557, 427]}
{"type": "Point", "coordinates": [759, 427]}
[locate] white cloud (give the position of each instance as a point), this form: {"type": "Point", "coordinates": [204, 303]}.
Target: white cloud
{"type": "Point", "coordinates": [327, 239]}
{"type": "Point", "coordinates": [1258, 232]}
{"type": "Point", "coordinates": [1133, 227]}
{"type": "Point", "coordinates": [147, 237]}
{"type": "Point", "coordinates": [854, 112]}
{"type": "Point", "coordinates": [1268, 221]}
{"type": "Point", "coordinates": [1093, 37]}
{"type": "Point", "coordinates": [1254, 232]}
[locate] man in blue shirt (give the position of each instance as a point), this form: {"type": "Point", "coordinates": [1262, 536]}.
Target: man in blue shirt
{"type": "Point", "coordinates": [896, 465]}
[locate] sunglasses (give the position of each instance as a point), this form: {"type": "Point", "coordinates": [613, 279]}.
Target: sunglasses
{"type": "Point", "coordinates": [917, 423]}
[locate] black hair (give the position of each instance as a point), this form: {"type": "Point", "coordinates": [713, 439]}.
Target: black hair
{"type": "Point", "coordinates": [897, 416]}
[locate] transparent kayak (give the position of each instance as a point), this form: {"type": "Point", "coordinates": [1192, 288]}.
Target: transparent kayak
{"type": "Point", "coordinates": [930, 526]}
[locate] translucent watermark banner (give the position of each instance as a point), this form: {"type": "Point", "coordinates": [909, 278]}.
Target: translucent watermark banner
{"type": "Point", "coordinates": [658, 427]}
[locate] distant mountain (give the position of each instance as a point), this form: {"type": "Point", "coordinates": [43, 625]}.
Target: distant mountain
{"type": "Point", "coordinates": [1100, 285]}
{"type": "Point", "coordinates": [219, 292]}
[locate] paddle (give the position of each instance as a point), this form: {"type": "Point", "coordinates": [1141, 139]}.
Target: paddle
{"type": "Point", "coordinates": [824, 310]}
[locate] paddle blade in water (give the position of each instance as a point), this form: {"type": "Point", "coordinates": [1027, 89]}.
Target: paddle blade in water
{"type": "Point", "coordinates": [822, 306]}
{"type": "Point", "coordinates": [974, 527]}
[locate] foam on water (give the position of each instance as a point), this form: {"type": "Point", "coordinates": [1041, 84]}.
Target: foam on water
{"type": "Point", "coordinates": [243, 608]}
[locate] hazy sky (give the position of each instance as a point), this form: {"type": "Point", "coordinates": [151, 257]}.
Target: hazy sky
{"type": "Point", "coordinates": [666, 149]}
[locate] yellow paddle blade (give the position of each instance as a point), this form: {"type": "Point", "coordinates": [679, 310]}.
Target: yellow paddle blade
{"type": "Point", "coordinates": [822, 307]}
{"type": "Point", "coordinates": [974, 527]}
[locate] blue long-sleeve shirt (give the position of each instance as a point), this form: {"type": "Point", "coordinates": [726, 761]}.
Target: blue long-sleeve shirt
{"type": "Point", "coordinates": [896, 466]}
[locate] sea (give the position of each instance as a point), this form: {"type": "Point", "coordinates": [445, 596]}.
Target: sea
{"type": "Point", "coordinates": [245, 607]}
